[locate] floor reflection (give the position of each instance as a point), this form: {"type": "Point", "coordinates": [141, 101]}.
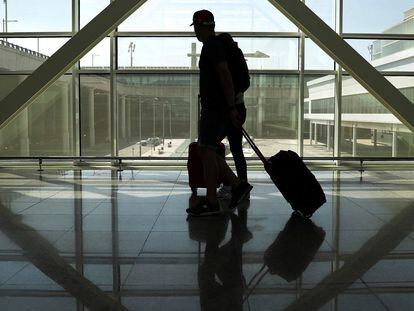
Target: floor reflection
{"type": "Point", "coordinates": [42, 254]}
{"type": "Point", "coordinates": [220, 273]}
{"type": "Point", "coordinates": [92, 240]}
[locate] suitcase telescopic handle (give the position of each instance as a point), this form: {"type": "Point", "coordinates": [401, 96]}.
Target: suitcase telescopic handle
{"type": "Point", "coordinates": [255, 148]}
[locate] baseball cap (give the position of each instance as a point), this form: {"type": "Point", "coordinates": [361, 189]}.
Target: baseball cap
{"type": "Point", "coordinates": [203, 17]}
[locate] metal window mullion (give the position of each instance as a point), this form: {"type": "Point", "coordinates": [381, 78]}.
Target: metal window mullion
{"type": "Point", "coordinates": [113, 93]}
{"type": "Point", "coordinates": [76, 141]}
{"type": "Point", "coordinates": [114, 99]}
{"type": "Point", "coordinates": [50, 34]}
{"type": "Point", "coordinates": [190, 34]}
{"type": "Point", "coordinates": [337, 146]}
{"type": "Point", "coordinates": [301, 106]}
{"type": "Point", "coordinates": [338, 86]}
{"type": "Point", "coordinates": [377, 36]}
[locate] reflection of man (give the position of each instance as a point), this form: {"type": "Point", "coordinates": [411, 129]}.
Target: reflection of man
{"type": "Point", "coordinates": [218, 113]}
{"type": "Point", "coordinates": [220, 275]}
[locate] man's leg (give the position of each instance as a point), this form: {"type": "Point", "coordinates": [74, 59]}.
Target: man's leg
{"type": "Point", "coordinates": [211, 171]}
{"type": "Point", "coordinates": [235, 138]}
{"type": "Point", "coordinates": [228, 175]}
{"type": "Point", "coordinates": [208, 142]}
{"type": "Point", "coordinates": [215, 166]}
{"type": "Point", "coordinates": [213, 128]}
{"type": "Point", "coordinates": [240, 189]}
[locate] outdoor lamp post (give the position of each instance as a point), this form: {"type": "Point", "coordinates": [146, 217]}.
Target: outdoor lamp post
{"type": "Point", "coordinates": [6, 20]}
{"type": "Point", "coordinates": [155, 100]}
{"type": "Point", "coordinates": [170, 143]}
{"type": "Point", "coordinates": [163, 123]}
{"type": "Point", "coordinates": [131, 50]}
{"type": "Point", "coordinates": [93, 57]}
{"type": "Point", "coordinates": [140, 125]}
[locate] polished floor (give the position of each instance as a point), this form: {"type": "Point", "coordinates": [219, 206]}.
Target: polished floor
{"type": "Point", "coordinates": [102, 240]}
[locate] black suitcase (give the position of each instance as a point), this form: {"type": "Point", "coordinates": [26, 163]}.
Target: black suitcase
{"type": "Point", "coordinates": [293, 179]}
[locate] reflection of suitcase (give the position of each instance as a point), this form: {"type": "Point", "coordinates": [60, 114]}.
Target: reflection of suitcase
{"type": "Point", "coordinates": [195, 167]}
{"type": "Point", "coordinates": [293, 179]}
{"type": "Point", "coordinates": [294, 248]}
{"type": "Point", "coordinates": [292, 251]}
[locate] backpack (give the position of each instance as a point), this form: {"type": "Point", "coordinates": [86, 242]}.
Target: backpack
{"type": "Point", "coordinates": [237, 63]}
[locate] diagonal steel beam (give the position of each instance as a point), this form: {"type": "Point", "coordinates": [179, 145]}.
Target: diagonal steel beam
{"type": "Point", "coordinates": [348, 58]}
{"type": "Point", "coordinates": [61, 61]}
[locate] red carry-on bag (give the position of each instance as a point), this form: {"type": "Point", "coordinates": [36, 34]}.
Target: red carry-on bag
{"type": "Point", "coordinates": [293, 179]}
{"type": "Point", "coordinates": [195, 166]}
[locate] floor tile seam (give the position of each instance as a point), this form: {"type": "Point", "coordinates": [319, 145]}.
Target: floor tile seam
{"type": "Point", "coordinates": [390, 282]}
{"type": "Point", "coordinates": [14, 274]}
{"type": "Point", "coordinates": [87, 214]}
{"type": "Point", "coordinates": [21, 212]}
{"type": "Point", "coordinates": [148, 235]}
{"type": "Point", "coordinates": [110, 231]}
{"type": "Point", "coordinates": [381, 301]}
{"type": "Point", "coordinates": [376, 215]}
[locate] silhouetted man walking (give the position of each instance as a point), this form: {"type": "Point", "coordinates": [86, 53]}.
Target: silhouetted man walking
{"type": "Point", "coordinates": [218, 113]}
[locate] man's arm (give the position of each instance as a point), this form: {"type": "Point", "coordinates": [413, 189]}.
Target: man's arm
{"type": "Point", "coordinates": [226, 81]}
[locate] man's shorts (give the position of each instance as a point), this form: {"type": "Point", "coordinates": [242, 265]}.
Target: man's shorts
{"type": "Point", "coordinates": [213, 127]}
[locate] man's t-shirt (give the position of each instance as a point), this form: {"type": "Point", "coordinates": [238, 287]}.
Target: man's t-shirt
{"type": "Point", "coordinates": [211, 91]}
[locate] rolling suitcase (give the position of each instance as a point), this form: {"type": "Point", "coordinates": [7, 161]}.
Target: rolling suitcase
{"type": "Point", "coordinates": [293, 179]}
{"type": "Point", "coordinates": [195, 167]}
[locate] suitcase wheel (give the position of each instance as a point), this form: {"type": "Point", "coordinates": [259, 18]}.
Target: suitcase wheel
{"type": "Point", "coordinates": [194, 190]}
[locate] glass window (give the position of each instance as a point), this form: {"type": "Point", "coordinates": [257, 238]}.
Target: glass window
{"type": "Point", "coordinates": [95, 115]}
{"type": "Point", "coordinates": [44, 128]}
{"type": "Point", "coordinates": [176, 15]}
{"type": "Point", "coordinates": [26, 54]}
{"type": "Point", "coordinates": [178, 52]}
{"type": "Point", "coordinates": [36, 15]}
{"type": "Point", "coordinates": [316, 58]}
{"type": "Point", "coordinates": [272, 115]}
{"type": "Point", "coordinates": [270, 53]}
{"type": "Point", "coordinates": [325, 9]}
{"type": "Point", "coordinates": [157, 52]}
{"type": "Point", "coordinates": [378, 16]}
{"type": "Point", "coordinates": [98, 57]}
{"type": "Point", "coordinates": [386, 55]}
{"type": "Point", "coordinates": [318, 127]}
{"type": "Point", "coordinates": [158, 113]}
{"type": "Point", "coordinates": [90, 8]}
{"type": "Point", "coordinates": [369, 129]}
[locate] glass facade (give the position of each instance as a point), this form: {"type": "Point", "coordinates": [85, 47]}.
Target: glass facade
{"type": "Point", "coordinates": [150, 89]}
{"type": "Point", "coordinates": [45, 127]}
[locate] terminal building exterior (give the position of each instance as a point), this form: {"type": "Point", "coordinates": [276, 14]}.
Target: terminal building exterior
{"type": "Point", "coordinates": [369, 129]}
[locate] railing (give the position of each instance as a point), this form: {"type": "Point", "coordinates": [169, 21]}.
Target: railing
{"type": "Point", "coordinates": [119, 161]}
{"type": "Point", "coordinates": [22, 49]}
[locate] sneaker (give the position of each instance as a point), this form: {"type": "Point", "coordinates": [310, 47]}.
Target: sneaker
{"type": "Point", "coordinates": [204, 209]}
{"type": "Point", "coordinates": [239, 193]}
{"type": "Point", "coordinates": [224, 192]}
